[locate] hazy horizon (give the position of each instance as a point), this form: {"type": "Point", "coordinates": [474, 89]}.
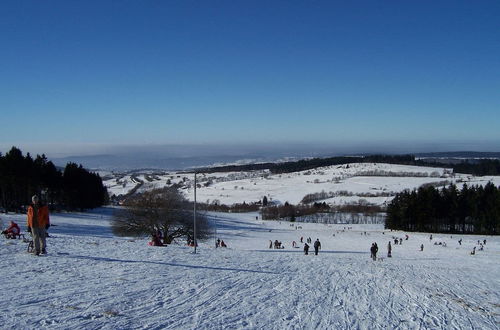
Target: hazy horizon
{"type": "Point", "coordinates": [182, 156]}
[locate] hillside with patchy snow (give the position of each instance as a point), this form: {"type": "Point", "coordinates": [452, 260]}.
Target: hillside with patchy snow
{"type": "Point", "coordinates": [374, 183]}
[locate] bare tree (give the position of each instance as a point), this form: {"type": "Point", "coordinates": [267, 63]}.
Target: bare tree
{"type": "Point", "coordinates": [160, 210]}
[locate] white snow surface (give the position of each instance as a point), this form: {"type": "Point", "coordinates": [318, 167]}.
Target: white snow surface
{"type": "Point", "coordinates": [91, 279]}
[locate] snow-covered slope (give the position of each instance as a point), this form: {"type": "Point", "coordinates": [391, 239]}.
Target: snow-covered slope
{"type": "Point", "coordinates": [376, 183]}
{"type": "Point", "coordinates": [93, 280]}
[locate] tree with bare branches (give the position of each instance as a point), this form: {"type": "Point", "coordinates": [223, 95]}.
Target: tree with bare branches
{"type": "Point", "coordinates": [163, 211]}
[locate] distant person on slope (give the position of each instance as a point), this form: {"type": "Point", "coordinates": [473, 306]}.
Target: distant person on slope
{"type": "Point", "coordinates": [155, 240]}
{"type": "Point", "coordinates": [306, 248]}
{"type": "Point", "coordinates": [317, 246]}
{"type": "Point", "coordinates": [389, 250]}
{"type": "Point", "coordinates": [38, 223]}
{"type": "Point", "coordinates": [373, 251]}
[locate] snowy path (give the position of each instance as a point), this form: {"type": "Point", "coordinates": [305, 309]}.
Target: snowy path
{"type": "Point", "coordinates": [97, 281]}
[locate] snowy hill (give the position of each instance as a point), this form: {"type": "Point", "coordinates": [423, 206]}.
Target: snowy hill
{"type": "Point", "coordinates": [376, 183]}
{"type": "Point", "coordinates": [93, 280]}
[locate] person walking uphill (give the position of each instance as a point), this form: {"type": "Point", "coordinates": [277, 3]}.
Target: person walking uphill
{"type": "Point", "coordinates": [306, 249]}
{"type": "Point", "coordinates": [373, 251]}
{"type": "Point", "coordinates": [317, 246]}
{"type": "Point", "coordinates": [38, 223]}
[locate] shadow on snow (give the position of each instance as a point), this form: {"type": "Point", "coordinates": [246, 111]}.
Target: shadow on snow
{"type": "Point", "coordinates": [169, 264]}
{"type": "Point", "coordinates": [311, 251]}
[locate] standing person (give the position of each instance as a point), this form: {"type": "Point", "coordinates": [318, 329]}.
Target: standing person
{"type": "Point", "coordinates": [38, 223]}
{"type": "Point", "coordinates": [374, 250]}
{"type": "Point", "coordinates": [389, 250]}
{"type": "Point", "coordinates": [421, 247]}
{"type": "Point", "coordinates": [317, 246]}
{"type": "Point", "coordinates": [306, 249]}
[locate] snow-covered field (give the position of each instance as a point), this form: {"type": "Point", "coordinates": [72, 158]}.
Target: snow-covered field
{"type": "Point", "coordinates": [93, 280]}
{"type": "Point", "coordinates": [379, 181]}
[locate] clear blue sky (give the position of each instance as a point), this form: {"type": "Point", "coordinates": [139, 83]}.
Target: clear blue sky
{"type": "Point", "coordinates": [87, 73]}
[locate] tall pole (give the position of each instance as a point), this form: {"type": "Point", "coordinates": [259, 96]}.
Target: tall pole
{"type": "Point", "coordinates": [194, 216]}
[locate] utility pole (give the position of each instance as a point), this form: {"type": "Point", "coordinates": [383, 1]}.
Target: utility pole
{"type": "Point", "coordinates": [194, 215]}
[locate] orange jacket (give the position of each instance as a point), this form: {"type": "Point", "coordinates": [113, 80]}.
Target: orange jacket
{"type": "Point", "coordinates": [42, 218]}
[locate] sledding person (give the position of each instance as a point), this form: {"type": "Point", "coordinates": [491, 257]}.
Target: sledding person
{"type": "Point", "coordinates": [38, 223]}
{"type": "Point", "coordinates": [222, 244]}
{"type": "Point", "coordinates": [12, 231]}
{"type": "Point", "coordinates": [317, 246]}
{"type": "Point", "coordinates": [306, 248]}
{"type": "Point", "coordinates": [155, 240]}
{"type": "Point", "coordinates": [389, 250]}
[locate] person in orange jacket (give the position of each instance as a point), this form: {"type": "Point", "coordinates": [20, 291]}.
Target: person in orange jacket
{"type": "Point", "coordinates": [38, 223]}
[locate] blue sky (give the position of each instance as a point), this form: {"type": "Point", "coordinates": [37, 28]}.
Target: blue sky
{"type": "Point", "coordinates": [79, 75]}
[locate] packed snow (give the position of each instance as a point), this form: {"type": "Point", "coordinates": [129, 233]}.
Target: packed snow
{"type": "Point", "coordinates": [91, 279]}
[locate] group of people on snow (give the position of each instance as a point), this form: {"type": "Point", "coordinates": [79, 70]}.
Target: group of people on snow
{"type": "Point", "coordinates": [276, 244]}
{"type": "Point", "coordinates": [317, 247]}
{"type": "Point", "coordinates": [220, 243]}
{"type": "Point", "coordinates": [37, 224]}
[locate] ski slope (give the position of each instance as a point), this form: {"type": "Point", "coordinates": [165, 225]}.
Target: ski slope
{"type": "Point", "coordinates": [93, 280]}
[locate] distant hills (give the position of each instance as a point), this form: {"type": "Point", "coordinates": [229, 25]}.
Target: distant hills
{"type": "Point", "coordinates": [459, 154]}
{"type": "Point", "coordinates": [138, 161]}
